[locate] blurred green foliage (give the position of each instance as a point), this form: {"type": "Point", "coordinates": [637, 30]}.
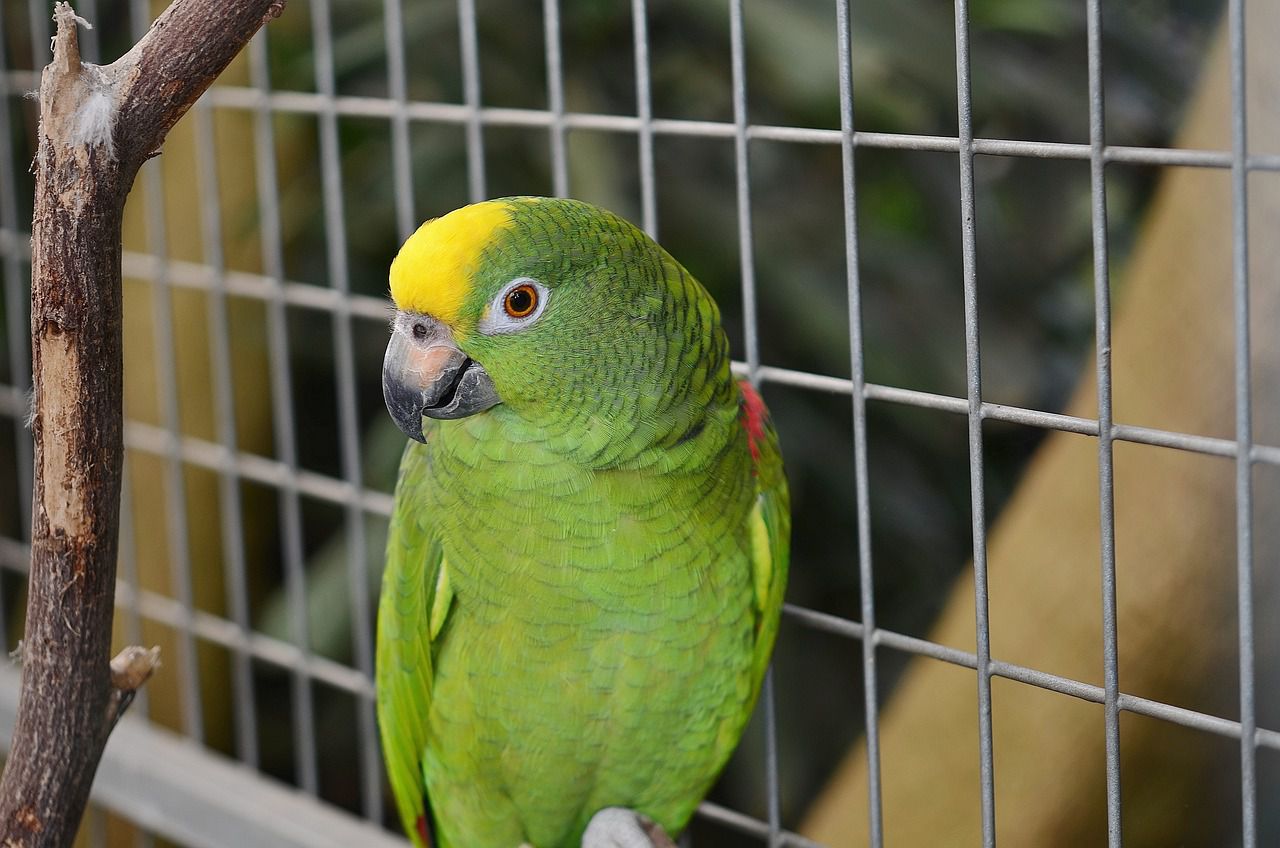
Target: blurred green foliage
{"type": "Point", "coordinates": [1029, 81]}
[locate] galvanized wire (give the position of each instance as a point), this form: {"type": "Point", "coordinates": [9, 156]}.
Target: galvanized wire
{"type": "Point", "coordinates": [229, 500]}
{"type": "Point", "coordinates": [1244, 426]}
{"type": "Point", "coordinates": [347, 407]}
{"type": "Point", "coordinates": [861, 473]}
{"type": "Point", "coordinates": [282, 414]}
{"type": "Point", "coordinates": [555, 98]}
{"type": "Point", "coordinates": [166, 375]}
{"type": "Point", "coordinates": [1106, 475]}
{"type": "Point", "coordinates": [471, 98]}
{"type": "Point", "coordinates": [751, 330]}
{"type": "Point", "coordinates": [401, 142]}
{"type": "Point", "coordinates": [973, 385]}
{"type": "Point", "coordinates": [644, 115]}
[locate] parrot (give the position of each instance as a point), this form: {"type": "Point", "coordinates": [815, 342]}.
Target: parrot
{"type": "Point", "coordinates": [590, 536]}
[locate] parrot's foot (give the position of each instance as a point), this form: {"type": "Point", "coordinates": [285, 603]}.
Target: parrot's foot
{"type": "Point", "coordinates": [618, 827]}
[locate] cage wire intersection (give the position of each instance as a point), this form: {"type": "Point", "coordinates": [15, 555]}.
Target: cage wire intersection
{"type": "Point", "coordinates": [349, 492]}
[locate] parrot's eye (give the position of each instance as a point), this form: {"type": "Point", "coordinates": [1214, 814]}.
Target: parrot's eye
{"type": "Point", "coordinates": [420, 330]}
{"type": "Point", "coordinates": [516, 307]}
{"type": "Point", "coordinates": [521, 301]}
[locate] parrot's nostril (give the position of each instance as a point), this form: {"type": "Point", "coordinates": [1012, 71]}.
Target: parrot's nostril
{"type": "Point", "coordinates": [420, 330]}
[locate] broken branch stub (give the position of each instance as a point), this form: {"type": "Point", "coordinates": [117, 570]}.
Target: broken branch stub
{"type": "Point", "coordinates": [98, 124]}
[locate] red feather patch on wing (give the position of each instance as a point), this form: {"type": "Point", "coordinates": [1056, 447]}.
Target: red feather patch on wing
{"type": "Point", "coordinates": [424, 831]}
{"type": "Point", "coordinates": [753, 418]}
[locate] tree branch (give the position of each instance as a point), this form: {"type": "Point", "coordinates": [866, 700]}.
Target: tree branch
{"type": "Point", "coordinates": [98, 124]}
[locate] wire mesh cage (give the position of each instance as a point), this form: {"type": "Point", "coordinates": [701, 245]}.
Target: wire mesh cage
{"type": "Point", "coordinates": [858, 186]}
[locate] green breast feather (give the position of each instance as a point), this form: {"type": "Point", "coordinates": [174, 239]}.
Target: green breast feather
{"type": "Point", "coordinates": [588, 552]}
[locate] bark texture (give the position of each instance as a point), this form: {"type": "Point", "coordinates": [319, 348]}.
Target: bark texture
{"type": "Point", "coordinates": [98, 124]}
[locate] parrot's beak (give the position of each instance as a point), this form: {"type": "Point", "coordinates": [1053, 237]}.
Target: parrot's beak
{"type": "Point", "coordinates": [424, 373]}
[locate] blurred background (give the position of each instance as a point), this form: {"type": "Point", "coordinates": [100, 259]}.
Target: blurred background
{"type": "Point", "coordinates": [257, 247]}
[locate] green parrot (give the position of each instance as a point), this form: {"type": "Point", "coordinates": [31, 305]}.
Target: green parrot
{"type": "Point", "coordinates": [590, 540]}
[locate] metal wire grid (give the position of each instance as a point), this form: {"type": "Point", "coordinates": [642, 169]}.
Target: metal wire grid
{"type": "Point", "coordinates": [234, 465]}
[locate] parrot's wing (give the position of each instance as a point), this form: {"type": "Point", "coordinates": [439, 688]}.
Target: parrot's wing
{"type": "Point", "coordinates": [770, 527]}
{"type": "Point", "coordinates": [415, 600]}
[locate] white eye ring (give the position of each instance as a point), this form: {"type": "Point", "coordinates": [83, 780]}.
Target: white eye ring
{"type": "Point", "coordinates": [496, 319]}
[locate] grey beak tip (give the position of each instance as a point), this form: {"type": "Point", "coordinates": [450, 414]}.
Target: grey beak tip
{"type": "Point", "coordinates": [405, 407]}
